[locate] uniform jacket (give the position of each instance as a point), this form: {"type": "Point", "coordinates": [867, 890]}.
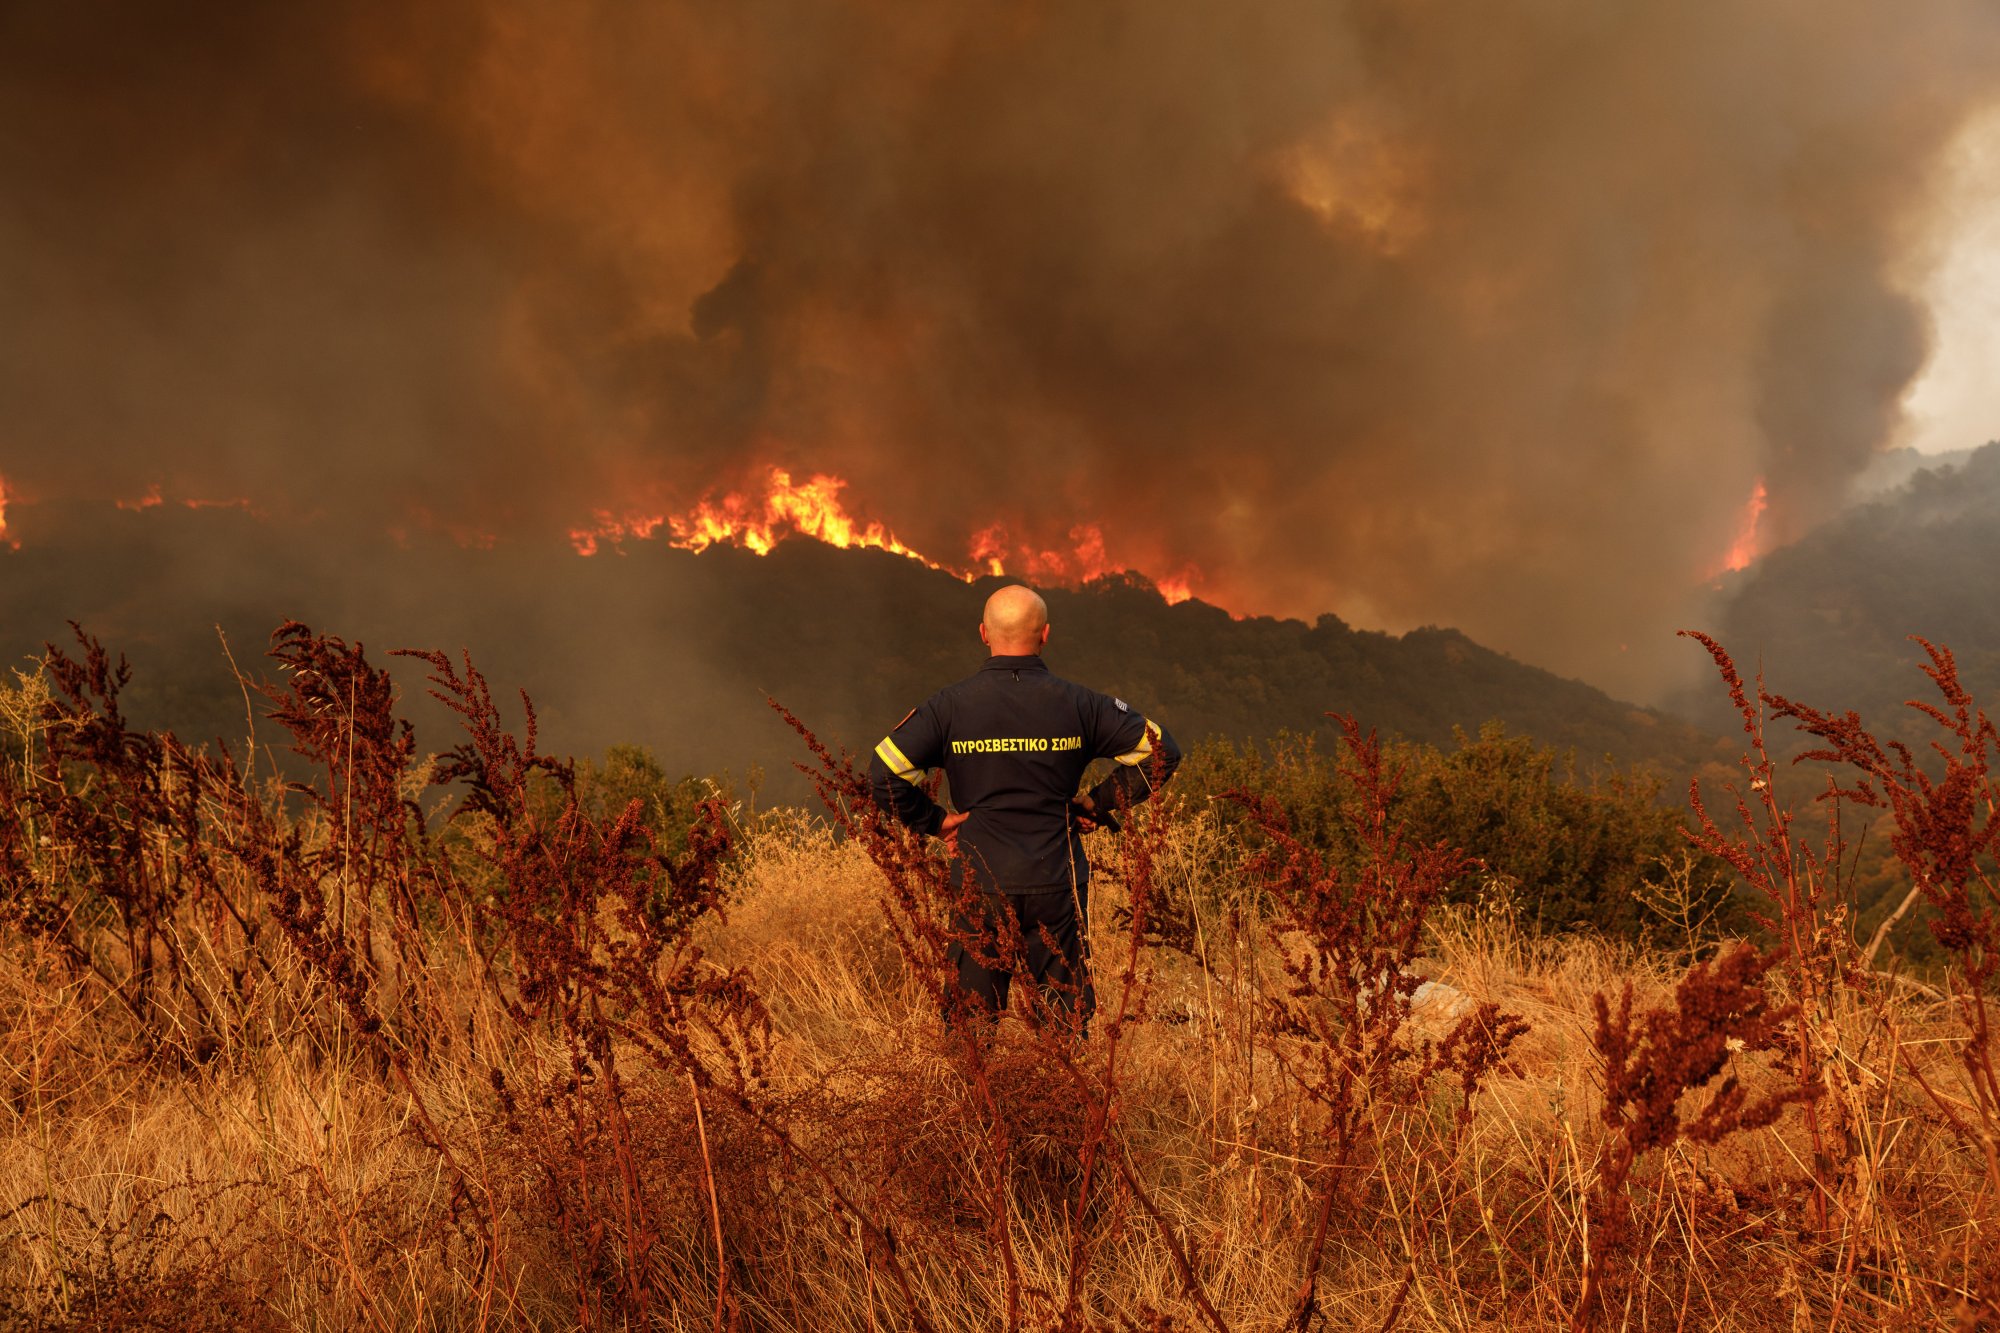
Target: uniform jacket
{"type": "Point", "coordinates": [1014, 741]}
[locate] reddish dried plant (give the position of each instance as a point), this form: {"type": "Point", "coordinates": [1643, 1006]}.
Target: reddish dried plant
{"type": "Point", "coordinates": [1349, 944]}
{"type": "Point", "coordinates": [106, 843]}
{"type": "Point", "coordinates": [1945, 811]}
{"type": "Point", "coordinates": [341, 714]}
{"type": "Point", "coordinates": [599, 921]}
{"type": "Point", "coordinates": [598, 929]}
{"type": "Point", "coordinates": [1648, 1066]}
{"type": "Point", "coordinates": [364, 843]}
{"type": "Point", "coordinates": [1792, 880]}
{"type": "Point", "coordinates": [1141, 846]}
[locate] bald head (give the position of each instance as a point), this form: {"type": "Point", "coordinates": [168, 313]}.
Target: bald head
{"type": "Point", "coordinates": [1016, 622]}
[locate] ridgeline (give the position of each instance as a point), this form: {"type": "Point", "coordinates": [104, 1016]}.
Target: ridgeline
{"type": "Point", "coordinates": [679, 652]}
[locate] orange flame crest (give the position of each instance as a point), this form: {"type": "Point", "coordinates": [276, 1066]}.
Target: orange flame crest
{"type": "Point", "coordinates": [814, 509]}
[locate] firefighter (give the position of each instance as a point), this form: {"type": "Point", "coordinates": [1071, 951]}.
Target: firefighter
{"type": "Point", "coordinates": [1014, 741]}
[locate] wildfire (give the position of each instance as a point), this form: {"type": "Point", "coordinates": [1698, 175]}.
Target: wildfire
{"type": "Point", "coordinates": [989, 546]}
{"type": "Point", "coordinates": [1083, 562]}
{"type": "Point", "coordinates": [1745, 548]}
{"type": "Point", "coordinates": [813, 509]}
{"type": "Point", "coordinates": [786, 508]}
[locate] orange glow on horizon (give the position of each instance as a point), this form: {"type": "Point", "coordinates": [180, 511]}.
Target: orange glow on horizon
{"type": "Point", "coordinates": [813, 509]}
{"type": "Point", "coordinates": [757, 523]}
{"type": "Point", "coordinates": [1744, 550]}
{"type": "Point", "coordinates": [989, 546]}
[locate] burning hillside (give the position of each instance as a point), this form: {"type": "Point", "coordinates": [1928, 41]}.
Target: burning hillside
{"type": "Point", "coordinates": [758, 522]}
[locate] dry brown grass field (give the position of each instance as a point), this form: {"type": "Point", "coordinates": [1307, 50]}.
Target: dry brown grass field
{"type": "Point", "coordinates": [436, 1045]}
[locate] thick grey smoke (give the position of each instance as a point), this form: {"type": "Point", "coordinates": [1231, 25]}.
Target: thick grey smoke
{"type": "Point", "coordinates": [1488, 316]}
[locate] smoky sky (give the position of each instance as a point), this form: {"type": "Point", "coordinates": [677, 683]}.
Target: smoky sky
{"type": "Point", "coordinates": [1485, 316]}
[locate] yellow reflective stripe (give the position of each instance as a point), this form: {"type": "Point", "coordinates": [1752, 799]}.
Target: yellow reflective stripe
{"type": "Point", "coordinates": [1143, 750]}
{"type": "Point", "coordinates": [897, 762]}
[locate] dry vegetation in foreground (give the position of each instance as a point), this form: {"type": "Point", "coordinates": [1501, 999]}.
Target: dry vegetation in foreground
{"type": "Point", "coordinates": [350, 1057]}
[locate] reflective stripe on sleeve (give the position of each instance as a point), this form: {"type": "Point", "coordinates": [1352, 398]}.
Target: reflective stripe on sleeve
{"type": "Point", "coordinates": [897, 762]}
{"type": "Point", "coordinates": [1143, 751]}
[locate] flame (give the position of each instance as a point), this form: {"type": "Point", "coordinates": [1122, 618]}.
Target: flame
{"type": "Point", "coordinates": [1745, 548]}
{"type": "Point", "coordinates": [989, 545]}
{"type": "Point", "coordinates": [12, 542]}
{"type": "Point", "coordinates": [813, 509]}
{"type": "Point", "coordinates": [1082, 564]}
{"type": "Point", "coordinates": [150, 500]}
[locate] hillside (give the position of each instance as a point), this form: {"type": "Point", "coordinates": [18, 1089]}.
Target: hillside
{"type": "Point", "coordinates": [679, 651]}
{"type": "Point", "coordinates": [1830, 617]}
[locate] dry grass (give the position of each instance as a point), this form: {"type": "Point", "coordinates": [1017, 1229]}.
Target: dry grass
{"type": "Point", "coordinates": [294, 1187]}
{"type": "Point", "coordinates": [854, 1165]}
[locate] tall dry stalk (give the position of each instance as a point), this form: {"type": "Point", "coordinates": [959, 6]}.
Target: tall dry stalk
{"type": "Point", "coordinates": [1794, 880]}
{"type": "Point", "coordinates": [1349, 946]}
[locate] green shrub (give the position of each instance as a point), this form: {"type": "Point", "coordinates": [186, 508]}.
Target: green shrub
{"type": "Point", "coordinates": [667, 804]}
{"type": "Point", "coordinates": [1576, 849]}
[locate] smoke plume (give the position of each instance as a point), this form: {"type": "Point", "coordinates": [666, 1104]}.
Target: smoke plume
{"type": "Point", "coordinates": [1489, 316]}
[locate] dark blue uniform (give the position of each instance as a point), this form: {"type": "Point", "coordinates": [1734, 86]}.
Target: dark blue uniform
{"type": "Point", "coordinates": [1014, 741]}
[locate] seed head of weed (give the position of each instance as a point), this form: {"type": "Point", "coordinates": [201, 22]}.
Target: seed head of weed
{"type": "Point", "coordinates": [1649, 1063]}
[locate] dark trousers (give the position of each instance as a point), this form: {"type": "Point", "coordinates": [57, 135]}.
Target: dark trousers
{"type": "Point", "coordinates": [995, 931]}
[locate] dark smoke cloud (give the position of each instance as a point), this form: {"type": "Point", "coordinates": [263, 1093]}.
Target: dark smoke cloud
{"type": "Point", "coordinates": [1483, 316]}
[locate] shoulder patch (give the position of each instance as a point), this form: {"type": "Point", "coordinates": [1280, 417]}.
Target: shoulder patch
{"type": "Point", "coordinates": [906, 717]}
{"type": "Point", "coordinates": [1121, 704]}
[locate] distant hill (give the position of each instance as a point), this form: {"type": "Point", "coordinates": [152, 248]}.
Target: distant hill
{"type": "Point", "coordinates": [1193, 666]}
{"type": "Point", "coordinates": [1890, 471]}
{"type": "Point", "coordinates": [1830, 616]}
{"type": "Point", "coordinates": [679, 651]}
